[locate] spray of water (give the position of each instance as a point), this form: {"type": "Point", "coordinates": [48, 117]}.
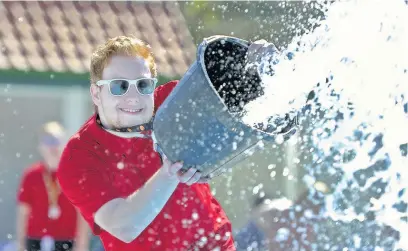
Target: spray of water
{"type": "Point", "coordinates": [362, 48]}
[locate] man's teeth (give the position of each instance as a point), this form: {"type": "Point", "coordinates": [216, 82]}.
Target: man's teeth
{"type": "Point", "coordinates": [131, 110]}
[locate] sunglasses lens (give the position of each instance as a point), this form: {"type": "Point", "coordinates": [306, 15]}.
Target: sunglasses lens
{"type": "Point", "coordinates": [145, 86]}
{"type": "Point", "coordinates": [119, 87]}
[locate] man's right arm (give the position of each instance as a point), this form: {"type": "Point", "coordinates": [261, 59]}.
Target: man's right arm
{"type": "Point", "coordinates": [124, 218]}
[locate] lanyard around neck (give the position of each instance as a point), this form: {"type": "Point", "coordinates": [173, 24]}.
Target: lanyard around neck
{"type": "Point", "coordinates": [52, 187]}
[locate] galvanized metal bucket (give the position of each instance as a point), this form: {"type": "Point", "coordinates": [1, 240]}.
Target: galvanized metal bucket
{"type": "Point", "coordinates": [200, 122]}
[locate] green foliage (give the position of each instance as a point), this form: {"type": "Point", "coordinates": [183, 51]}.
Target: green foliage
{"type": "Point", "coordinates": [275, 21]}
{"type": "Point", "coordinates": [204, 11]}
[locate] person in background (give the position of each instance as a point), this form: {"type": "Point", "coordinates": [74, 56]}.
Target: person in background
{"type": "Point", "coordinates": [254, 235]}
{"type": "Point", "coordinates": [251, 236]}
{"type": "Point", "coordinates": [96, 244]}
{"type": "Point", "coordinates": [46, 220]}
{"type": "Point", "coordinates": [288, 225]}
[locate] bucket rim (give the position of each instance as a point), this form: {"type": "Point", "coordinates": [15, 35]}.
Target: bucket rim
{"type": "Point", "coordinates": [200, 56]}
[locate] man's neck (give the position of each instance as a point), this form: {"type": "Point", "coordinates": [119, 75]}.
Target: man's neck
{"type": "Point", "coordinates": [131, 132]}
{"type": "Point", "coordinates": [127, 135]}
{"type": "Point", "coordinates": [101, 120]}
{"type": "Point", "coordinates": [48, 168]}
{"type": "Point", "coordinates": [142, 129]}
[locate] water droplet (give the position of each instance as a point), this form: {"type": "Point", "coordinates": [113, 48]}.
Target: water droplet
{"type": "Point", "coordinates": [279, 139]}
{"type": "Point", "coordinates": [282, 234]}
{"type": "Point", "coordinates": [273, 174]}
{"type": "Point", "coordinates": [201, 231]}
{"type": "Point", "coordinates": [271, 166]}
{"type": "Point", "coordinates": [120, 165]}
{"type": "Point", "coordinates": [285, 171]}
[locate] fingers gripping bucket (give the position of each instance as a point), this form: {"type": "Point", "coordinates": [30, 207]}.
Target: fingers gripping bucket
{"type": "Point", "coordinates": [199, 123]}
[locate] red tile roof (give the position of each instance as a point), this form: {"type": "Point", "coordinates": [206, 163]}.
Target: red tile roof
{"type": "Point", "coordinates": [60, 35]}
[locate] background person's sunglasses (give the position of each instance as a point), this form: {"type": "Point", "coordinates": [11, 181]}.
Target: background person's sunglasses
{"type": "Point", "coordinates": [51, 141]}
{"type": "Point", "coordinates": [119, 87]}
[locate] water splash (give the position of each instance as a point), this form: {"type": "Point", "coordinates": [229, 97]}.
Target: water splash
{"type": "Point", "coordinates": [359, 55]}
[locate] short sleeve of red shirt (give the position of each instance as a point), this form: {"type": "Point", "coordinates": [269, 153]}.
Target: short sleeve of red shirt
{"type": "Point", "coordinates": [86, 188]}
{"type": "Point", "coordinates": [24, 191]}
{"type": "Point", "coordinates": [162, 92]}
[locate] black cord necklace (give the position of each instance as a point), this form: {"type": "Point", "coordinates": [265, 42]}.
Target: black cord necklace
{"type": "Point", "coordinates": [138, 128]}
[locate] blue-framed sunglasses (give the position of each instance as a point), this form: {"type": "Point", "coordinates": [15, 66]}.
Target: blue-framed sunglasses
{"type": "Point", "coordinates": [119, 87]}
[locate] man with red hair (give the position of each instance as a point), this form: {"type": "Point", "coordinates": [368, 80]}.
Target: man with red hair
{"type": "Point", "coordinates": [133, 199]}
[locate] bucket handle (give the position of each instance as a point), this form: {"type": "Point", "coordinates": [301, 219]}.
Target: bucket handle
{"type": "Point", "coordinates": [211, 39]}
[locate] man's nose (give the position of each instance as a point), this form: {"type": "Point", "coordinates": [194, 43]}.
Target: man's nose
{"type": "Point", "coordinates": [133, 95]}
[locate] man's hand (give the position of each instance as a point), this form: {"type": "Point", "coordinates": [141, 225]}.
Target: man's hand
{"type": "Point", "coordinates": [174, 170]}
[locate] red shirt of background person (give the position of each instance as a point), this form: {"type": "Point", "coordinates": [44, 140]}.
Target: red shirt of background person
{"type": "Point", "coordinates": [119, 184]}
{"type": "Point", "coordinates": [42, 210]}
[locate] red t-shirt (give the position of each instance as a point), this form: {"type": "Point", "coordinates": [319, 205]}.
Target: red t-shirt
{"type": "Point", "coordinates": [33, 192]}
{"type": "Point", "coordinates": [97, 167]}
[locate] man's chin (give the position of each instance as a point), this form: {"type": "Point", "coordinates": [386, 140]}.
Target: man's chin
{"type": "Point", "coordinates": [135, 122]}
{"type": "Point", "coordinates": [131, 120]}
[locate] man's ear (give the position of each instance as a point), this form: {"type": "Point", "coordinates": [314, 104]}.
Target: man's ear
{"type": "Point", "coordinates": [95, 94]}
